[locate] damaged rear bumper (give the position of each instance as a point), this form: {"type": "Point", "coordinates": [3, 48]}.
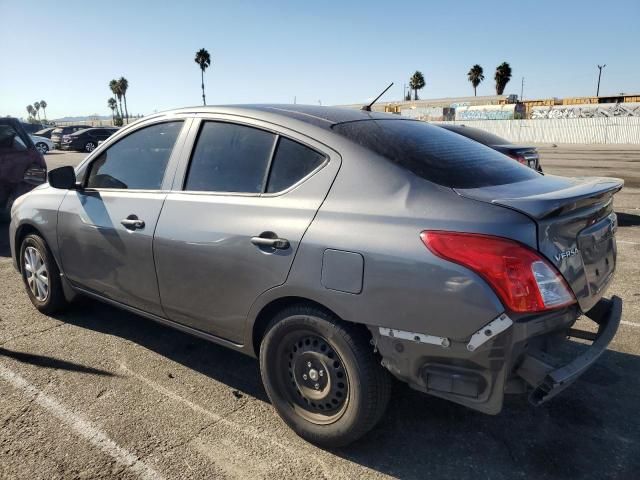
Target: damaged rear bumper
{"type": "Point", "coordinates": [508, 355]}
{"type": "Point", "coordinates": [547, 378]}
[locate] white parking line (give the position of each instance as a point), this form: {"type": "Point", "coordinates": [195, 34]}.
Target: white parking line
{"type": "Point", "coordinates": [219, 419]}
{"type": "Point", "coordinates": [628, 242]}
{"type": "Point", "coordinates": [82, 427]}
{"type": "Point", "coordinates": [631, 324]}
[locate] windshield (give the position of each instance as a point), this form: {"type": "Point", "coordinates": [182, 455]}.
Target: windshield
{"type": "Point", "coordinates": [435, 154]}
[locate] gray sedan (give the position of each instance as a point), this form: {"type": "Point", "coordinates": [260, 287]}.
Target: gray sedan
{"type": "Point", "coordinates": [340, 247]}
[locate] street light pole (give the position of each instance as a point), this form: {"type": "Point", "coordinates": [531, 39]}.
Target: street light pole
{"type": "Point", "coordinates": [600, 67]}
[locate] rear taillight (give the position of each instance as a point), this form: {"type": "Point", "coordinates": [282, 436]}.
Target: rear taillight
{"type": "Point", "coordinates": [523, 280]}
{"type": "Point", "coordinates": [518, 158]}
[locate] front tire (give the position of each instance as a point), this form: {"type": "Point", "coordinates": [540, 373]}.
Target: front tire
{"type": "Point", "coordinates": [41, 275]}
{"type": "Point", "coordinates": [322, 376]}
{"type": "Point", "coordinates": [89, 147]}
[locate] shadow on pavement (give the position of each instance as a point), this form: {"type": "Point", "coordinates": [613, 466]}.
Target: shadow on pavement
{"type": "Point", "coordinates": [5, 250]}
{"type": "Point", "coordinates": [628, 219]}
{"type": "Point", "coordinates": [51, 362]}
{"type": "Point", "coordinates": [590, 431]}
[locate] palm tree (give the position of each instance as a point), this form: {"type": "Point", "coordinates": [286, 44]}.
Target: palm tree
{"type": "Point", "coordinates": [114, 85]}
{"type": "Point", "coordinates": [503, 75]}
{"type": "Point", "coordinates": [36, 107]}
{"type": "Point", "coordinates": [31, 111]}
{"type": "Point", "coordinates": [416, 82]}
{"type": "Point", "coordinates": [123, 84]}
{"type": "Point", "coordinates": [475, 76]}
{"type": "Point", "coordinates": [113, 105]}
{"type": "Point", "coordinates": [204, 60]}
{"type": "Point", "coordinates": [43, 105]}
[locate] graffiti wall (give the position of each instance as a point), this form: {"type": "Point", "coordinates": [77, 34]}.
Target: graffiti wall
{"type": "Point", "coordinates": [429, 114]}
{"type": "Point", "coordinates": [595, 130]}
{"type": "Point", "coordinates": [587, 111]}
{"type": "Point", "coordinates": [490, 112]}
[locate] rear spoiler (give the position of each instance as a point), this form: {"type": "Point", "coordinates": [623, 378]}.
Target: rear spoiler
{"type": "Point", "coordinates": [549, 197]}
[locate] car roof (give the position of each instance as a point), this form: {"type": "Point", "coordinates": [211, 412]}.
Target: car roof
{"type": "Point", "coordinates": [324, 117]}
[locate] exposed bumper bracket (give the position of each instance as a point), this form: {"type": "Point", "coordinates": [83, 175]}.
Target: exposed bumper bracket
{"type": "Point", "coordinates": [415, 337]}
{"type": "Point", "coordinates": [538, 370]}
{"type": "Point", "coordinates": [489, 331]}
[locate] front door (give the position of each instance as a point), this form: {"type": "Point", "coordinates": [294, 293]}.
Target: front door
{"type": "Point", "coordinates": [233, 231]}
{"type": "Point", "coordinates": [105, 229]}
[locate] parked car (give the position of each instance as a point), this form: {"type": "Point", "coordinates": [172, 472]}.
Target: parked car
{"type": "Point", "coordinates": [86, 140]}
{"type": "Point", "coordinates": [338, 246]}
{"type": "Point", "coordinates": [21, 165]}
{"type": "Point", "coordinates": [526, 155]}
{"type": "Point", "coordinates": [59, 132]}
{"type": "Point", "coordinates": [45, 132]}
{"type": "Point", "coordinates": [31, 127]}
{"type": "Point", "coordinates": [42, 144]}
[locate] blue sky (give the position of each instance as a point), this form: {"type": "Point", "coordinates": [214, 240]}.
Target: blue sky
{"type": "Point", "coordinates": [329, 51]}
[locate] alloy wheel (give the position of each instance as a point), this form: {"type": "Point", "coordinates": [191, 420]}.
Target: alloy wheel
{"type": "Point", "coordinates": [90, 147]}
{"type": "Point", "coordinates": [42, 148]}
{"type": "Point", "coordinates": [36, 274]}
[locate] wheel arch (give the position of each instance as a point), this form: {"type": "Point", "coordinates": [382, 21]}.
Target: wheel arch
{"type": "Point", "coordinates": [268, 311]}
{"type": "Point", "coordinates": [21, 232]}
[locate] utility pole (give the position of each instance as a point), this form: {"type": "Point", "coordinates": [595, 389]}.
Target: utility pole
{"type": "Point", "coordinates": [600, 67]}
{"type": "Point", "coordinates": [522, 90]}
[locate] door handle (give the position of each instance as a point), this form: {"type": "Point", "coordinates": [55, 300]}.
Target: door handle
{"type": "Point", "coordinates": [264, 241]}
{"type": "Point", "coordinates": [132, 222]}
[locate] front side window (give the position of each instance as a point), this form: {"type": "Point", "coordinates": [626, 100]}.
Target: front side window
{"type": "Point", "coordinates": [291, 163]}
{"type": "Point", "coordinates": [229, 158]}
{"type": "Point", "coordinates": [138, 161]}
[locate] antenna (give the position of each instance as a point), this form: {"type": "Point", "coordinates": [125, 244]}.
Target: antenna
{"type": "Point", "coordinates": [367, 108]}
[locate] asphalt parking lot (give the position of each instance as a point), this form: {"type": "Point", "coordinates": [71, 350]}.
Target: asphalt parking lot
{"type": "Point", "coordinates": [100, 393]}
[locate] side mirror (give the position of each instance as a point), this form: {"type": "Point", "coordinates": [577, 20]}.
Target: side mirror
{"type": "Point", "coordinates": [63, 178]}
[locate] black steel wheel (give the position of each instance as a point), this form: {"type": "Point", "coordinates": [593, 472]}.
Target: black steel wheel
{"type": "Point", "coordinates": [315, 380]}
{"type": "Point", "coordinates": [322, 376]}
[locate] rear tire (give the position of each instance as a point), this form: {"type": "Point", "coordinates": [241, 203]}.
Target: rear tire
{"type": "Point", "coordinates": [42, 148]}
{"type": "Point", "coordinates": [40, 275]}
{"type": "Point", "coordinates": [89, 147]}
{"type": "Point", "coordinates": [322, 376]}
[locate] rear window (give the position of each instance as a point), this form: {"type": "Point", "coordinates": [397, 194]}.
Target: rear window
{"type": "Point", "coordinates": [435, 154]}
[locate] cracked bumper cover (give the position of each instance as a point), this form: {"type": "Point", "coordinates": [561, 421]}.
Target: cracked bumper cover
{"type": "Point", "coordinates": [515, 360]}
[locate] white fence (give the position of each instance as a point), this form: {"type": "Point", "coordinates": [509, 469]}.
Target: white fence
{"type": "Point", "coordinates": [622, 130]}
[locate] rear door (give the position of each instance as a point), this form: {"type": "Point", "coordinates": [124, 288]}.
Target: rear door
{"type": "Point", "coordinates": [230, 229]}
{"type": "Point", "coordinates": [105, 229]}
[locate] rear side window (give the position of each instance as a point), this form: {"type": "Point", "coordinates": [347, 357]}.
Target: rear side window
{"type": "Point", "coordinates": [229, 158]}
{"type": "Point", "coordinates": [138, 161]}
{"type": "Point", "coordinates": [291, 163]}
{"type": "Point", "coordinates": [435, 154]}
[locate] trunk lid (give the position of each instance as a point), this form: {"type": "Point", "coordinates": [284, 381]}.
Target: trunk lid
{"type": "Point", "coordinates": [576, 226]}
